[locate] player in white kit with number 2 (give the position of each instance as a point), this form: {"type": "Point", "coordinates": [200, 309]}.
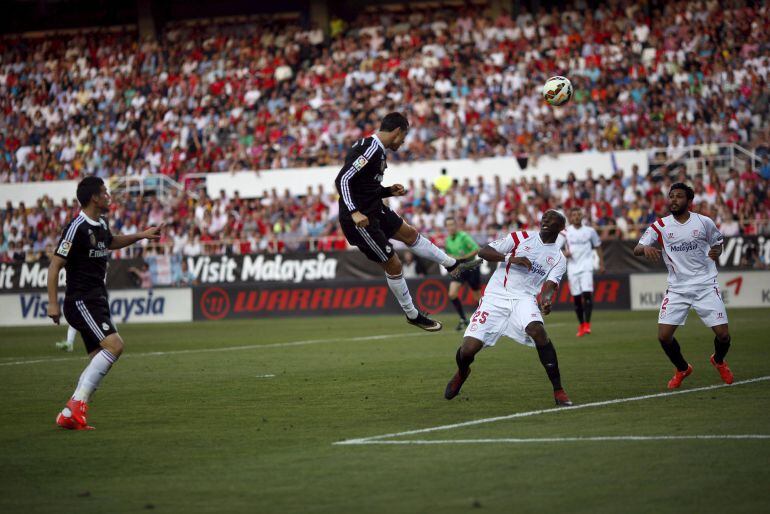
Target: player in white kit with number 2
{"type": "Point", "coordinates": [691, 244]}
{"type": "Point", "coordinates": [509, 306]}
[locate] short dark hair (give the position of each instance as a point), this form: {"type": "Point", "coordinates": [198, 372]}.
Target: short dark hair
{"type": "Point", "coordinates": [88, 187]}
{"type": "Point", "coordinates": [394, 120]}
{"type": "Point", "coordinates": [684, 187]}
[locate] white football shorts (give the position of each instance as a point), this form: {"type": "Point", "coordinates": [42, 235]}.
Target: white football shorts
{"type": "Point", "coordinates": [497, 317]}
{"type": "Point", "coordinates": [707, 302]}
{"type": "Point", "coordinates": [582, 282]}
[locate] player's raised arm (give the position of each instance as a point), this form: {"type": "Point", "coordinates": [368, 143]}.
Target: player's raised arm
{"type": "Point", "coordinates": [122, 240]}
{"type": "Point", "coordinates": [496, 250]}
{"type": "Point", "coordinates": [489, 254]}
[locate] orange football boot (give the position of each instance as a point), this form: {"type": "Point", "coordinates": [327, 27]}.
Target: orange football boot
{"type": "Point", "coordinates": [678, 377]}
{"type": "Point", "coordinates": [724, 371]}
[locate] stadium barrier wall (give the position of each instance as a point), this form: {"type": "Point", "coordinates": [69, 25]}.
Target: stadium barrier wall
{"type": "Point", "coordinates": [250, 301]}
{"type": "Point", "coordinates": [126, 306]}
{"type": "Point", "coordinates": [30, 192]}
{"type": "Point", "coordinates": [301, 267]}
{"type": "Point", "coordinates": [738, 289]}
{"type": "Point", "coordinates": [252, 184]}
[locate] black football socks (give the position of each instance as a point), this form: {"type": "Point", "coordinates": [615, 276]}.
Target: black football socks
{"type": "Point", "coordinates": [674, 353]}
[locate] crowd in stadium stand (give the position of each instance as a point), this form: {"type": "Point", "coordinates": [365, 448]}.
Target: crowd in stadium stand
{"type": "Point", "coordinates": [619, 207]}
{"type": "Point", "coordinates": [273, 95]}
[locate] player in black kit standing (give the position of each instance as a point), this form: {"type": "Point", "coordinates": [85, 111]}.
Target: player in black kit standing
{"type": "Point", "coordinates": [368, 224]}
{"type": "Point", "coordinates": [83, 251]}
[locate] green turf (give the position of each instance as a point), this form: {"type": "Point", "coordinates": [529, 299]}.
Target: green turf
{"type": "Point", "coordinates": [208, 432]}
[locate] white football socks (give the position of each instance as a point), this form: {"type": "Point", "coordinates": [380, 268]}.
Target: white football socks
{"type": "Point", "coordinates": [427, 250]}
{"type": "Point", "coordinates": [71, 333]}
{"type": "Point", "coordinates": [400, 290]}
{"type": "Point", "coordinates": [93, 375]}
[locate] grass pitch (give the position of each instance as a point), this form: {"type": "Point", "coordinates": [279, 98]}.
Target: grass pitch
{"type": "Point", "coordinates": [243, 417]}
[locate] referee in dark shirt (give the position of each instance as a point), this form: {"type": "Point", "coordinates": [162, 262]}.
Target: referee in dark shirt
{"type": "Point", "coordinates": [370, 225]}
{"type": "Point", "coordinates": [83, 251]}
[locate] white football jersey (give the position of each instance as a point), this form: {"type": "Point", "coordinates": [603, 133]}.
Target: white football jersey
{"type": "Point", "coordinates": [516, 282]}
{"type": "Point", "coordinates": [580, 243]}
{"type": "Point", "coordinates": [685, 249]}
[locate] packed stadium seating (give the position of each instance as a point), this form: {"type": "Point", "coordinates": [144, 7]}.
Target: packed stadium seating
{"type": "Point", "coordinates": [270, 94]}
{"type": "Point", "coordinates": [620, 208]}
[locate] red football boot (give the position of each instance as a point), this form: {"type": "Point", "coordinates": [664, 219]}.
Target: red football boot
{"type": "Point", "coordinates": [562, 400]}
{"type": "Point", "coordinates": [678, 377]}
{"type": "Point", "coordinates": [724, 371]}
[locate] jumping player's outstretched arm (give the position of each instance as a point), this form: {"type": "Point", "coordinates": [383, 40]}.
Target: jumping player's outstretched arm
{"type": "Point", "coordinates": [490, 254]}
{"type": "Point", "coordinates": [122, 240]}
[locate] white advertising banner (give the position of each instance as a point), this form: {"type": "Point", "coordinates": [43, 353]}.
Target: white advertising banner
{"type": "Point", "coordinates": [30, 192]}
{"type": "Point", "coordinates": [126, 306]}
{"type": "Point", "coordinates": [251, 184]}
{"type": "Point", "coordinates": [739, 289]}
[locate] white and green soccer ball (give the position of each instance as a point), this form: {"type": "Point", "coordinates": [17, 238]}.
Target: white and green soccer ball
{"type": "Point", "coordinates": [557, 90]}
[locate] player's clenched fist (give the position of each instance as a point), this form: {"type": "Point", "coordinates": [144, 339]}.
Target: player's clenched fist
{"type": "Point", "coordinates": [651, 254]}
{"type": "Point", "coordinates": [54, 312]}
{"type": "Point", "coordinates": [361, 220]}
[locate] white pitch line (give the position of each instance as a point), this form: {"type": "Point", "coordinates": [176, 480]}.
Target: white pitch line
{"type": "Point", "coordinates": [227, 348]}
{"type": "Point", "coordinates": [509, 440]}
{"type": "Point", "coordinates": [366, 440]}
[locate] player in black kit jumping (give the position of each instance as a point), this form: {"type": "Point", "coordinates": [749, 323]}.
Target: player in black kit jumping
{"type": "Point", "coordinates": [83, 251]}
{"type": "Point", "coordinates": [369, 224]}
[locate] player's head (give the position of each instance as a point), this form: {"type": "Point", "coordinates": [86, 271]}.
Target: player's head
{"type": "Point", "coordinates": [680, 198]}
{"type": "Point", "coordinates": [451, 225]}
{"type": "Point", "coordinates": [576, 216]}
{"type": "Point", "coordinates": [92, 191]}
{"type": "Point", "coordinates": [393, 130]}
{"type": "Point", "coordinates": [552, 223]}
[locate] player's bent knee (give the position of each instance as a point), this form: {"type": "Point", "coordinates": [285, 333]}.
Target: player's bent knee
{"type": "Point", "coordinates": [408, 234]}
{"type": "Point", "coordinates": [536, 331]}
{"type": "Point", "coordinates": [393, 266]}
{"type": "Point", "coordinates": [471, 344]}
{"type": "Point", "coordinates": [113, 343]}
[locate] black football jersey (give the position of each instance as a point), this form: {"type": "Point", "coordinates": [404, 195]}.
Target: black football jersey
{"type": "Point", "coordinates": [359, 182]}
{"type": "Point", "coordinates": [85, 244]}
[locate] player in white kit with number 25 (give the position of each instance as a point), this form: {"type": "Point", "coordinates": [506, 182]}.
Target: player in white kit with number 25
{"type": "Point", "coordinates": [691, 244]}
{"type": "Point", "coordinates": [509, 306]}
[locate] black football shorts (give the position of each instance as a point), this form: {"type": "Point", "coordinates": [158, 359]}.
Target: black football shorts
{"type": "Point", "coordinates": [374, 240]}
{"type": "Point", "coordinates": [90, 317]}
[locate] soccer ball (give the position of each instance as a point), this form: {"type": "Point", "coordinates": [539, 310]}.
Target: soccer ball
{"type": "Point", "coordinates": [557, 90]}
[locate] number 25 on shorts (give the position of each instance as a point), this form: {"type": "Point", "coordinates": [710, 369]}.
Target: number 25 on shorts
{"type": "Point", "coordinates": [479, 317]}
